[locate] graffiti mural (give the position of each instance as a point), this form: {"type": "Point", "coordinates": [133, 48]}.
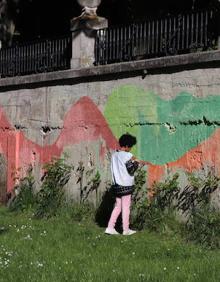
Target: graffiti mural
{"type": "Point", "coordinates": [179, 133]}
{"type": "Point", "coordinates": [83, 122]}
{"type": "Point", "coordinates": [182, 132]}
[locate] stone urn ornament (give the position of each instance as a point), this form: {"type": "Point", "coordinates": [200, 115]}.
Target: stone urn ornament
{"type": "Point", "coordinates": [89, 16]}
{"type": "Point", "coordinates": [89, 7]}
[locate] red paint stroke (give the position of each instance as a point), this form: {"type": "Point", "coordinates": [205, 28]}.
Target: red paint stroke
{"type": "Point", "coordinates": [83, 122]}
{"type": "Point", "coordinates": [155, 173]}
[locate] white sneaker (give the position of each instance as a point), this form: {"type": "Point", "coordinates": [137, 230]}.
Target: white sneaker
{"type": "Point", "coordinates": [129, 232]}
{"type": "Point", "coordinates": [111, 231]}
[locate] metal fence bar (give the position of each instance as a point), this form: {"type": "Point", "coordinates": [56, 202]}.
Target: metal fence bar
{"type": "Point", "coordinates": [197, 28]}
{"type": "Point", "coordinates": [160, 37]}
{"type": "Point", "coordinates": [201, 29]}
{"type": "Point", "coordinates": [35, 57]}
{"type": "Point", "coordinates": [192, 31]}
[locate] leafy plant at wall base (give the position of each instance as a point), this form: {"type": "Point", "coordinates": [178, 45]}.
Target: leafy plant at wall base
{"type": "Point", "coordinates": [92, 182]}
{"type": "Point", "coordinates": [203, 223]}
{"type": "Point", "coordinates": [25, 198]}
{"type": "Point", "coordinates": [51, 196]}
{"type": "Point", "coordinates": [140, 191]}
{"type": "Point", "coordinates": [153, 215]}
{"type": "Point", "coordinates": [139, 200]}
{"type": "Point", "coordinates": [80, 174]}
{"type": "Point", "coordinates": [145, 214]}
{"type": "Point", "coordinates": [160, 215]}
{"type": "Point", "coordinates": [91, 185]}
{"type": "Point", "coordinates": [197, 192]}
{"type": "Point", "coordinates": [166, 192]}
{"type": "Point", "coordinates": [203, 226]}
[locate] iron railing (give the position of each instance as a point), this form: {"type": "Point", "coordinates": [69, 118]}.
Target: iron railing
{"type": "Point", "coordinates": [155, 38]}
{"type": "Point", "coordinates": [36, 57]}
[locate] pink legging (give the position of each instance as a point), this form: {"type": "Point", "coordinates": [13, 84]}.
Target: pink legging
{"type": "Point", "coordinates": [121, 205]}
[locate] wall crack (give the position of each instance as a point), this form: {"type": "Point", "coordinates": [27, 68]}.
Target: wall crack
{"type": "Point", "coordinates": [203, 121]}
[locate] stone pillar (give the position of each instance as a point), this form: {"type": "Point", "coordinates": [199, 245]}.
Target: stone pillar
{"type": "Point", "coordinates": [84, 29]}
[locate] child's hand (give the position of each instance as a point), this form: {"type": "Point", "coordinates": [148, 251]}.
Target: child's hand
{"type": "Point", "coordinates": [148, 163]}
{"type": "Point", "coordinates": [143, 163]}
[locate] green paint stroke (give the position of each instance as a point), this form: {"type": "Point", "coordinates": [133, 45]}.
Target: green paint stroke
{"type": "Point", "coordinates": [165, 129]}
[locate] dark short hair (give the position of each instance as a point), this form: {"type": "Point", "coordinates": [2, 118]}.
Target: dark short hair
{"type": "Point", "coordinates": [127, 140]}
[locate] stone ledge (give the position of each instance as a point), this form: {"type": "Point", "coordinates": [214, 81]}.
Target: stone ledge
{"type": "Point", "coordinates": [185, 61]}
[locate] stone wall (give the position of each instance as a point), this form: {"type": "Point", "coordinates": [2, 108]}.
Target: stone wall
{"type": "Point", "coordinates": [174, 113]}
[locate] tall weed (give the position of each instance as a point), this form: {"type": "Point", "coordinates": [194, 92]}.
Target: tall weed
{"type": "Point", "coordinates": [203, 222]}
{"type": "Point", "coordinates": [24, 198]}
{"type": "Point", "coordinates": [202, 219]}
{"type": "Point", "coordinates": [154, 215]}
{"type": "Point", "coordinates": [51, 196]}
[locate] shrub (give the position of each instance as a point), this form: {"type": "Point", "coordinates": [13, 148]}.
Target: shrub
{"type": "Point", "coordinates": [197, 192]}
{"type": "Point", "coordinates": [166, 192]}
{"type": "Point", "coordinates": [203, 226]}
{"type": "Point", "coordinates": [154, 215]}
{"type": "Point", "coordinates": [139, 200]}
{"type": "Point", "coordinates": [89, 182]}
{"type": "Point", "coordinates": [93, 182]}
{"type": "Point", "coordinates": [203, 223]}
{"type": "Point", "coordinates": [25, 198]}
{"type": "Point", "coordinates": [51, 196]}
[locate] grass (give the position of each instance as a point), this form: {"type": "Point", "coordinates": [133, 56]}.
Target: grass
{"type": "Point", "coordinates": [60, 249]}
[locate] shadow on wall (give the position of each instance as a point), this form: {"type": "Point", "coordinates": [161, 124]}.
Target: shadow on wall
{"type": "Point", "coordinates": [105, 209]}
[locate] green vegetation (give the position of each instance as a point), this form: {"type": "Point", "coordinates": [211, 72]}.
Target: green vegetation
{"type": "Point", "coordinates": [188, 212]}
{"type": "Point", "coordinates": [61, 249]}
{"type": "Point", "coordinates": [45, 238]}
{"type": "Point", "coordinates": [25, 199]}
{"type": "Point", "coordinates": [154, 215]}
{"type": "Point", "coordinates": [50, 198]}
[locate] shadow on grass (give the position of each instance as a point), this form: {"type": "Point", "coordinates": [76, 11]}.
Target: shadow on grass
{"type": "Point", "coordinates": [105, 209]}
